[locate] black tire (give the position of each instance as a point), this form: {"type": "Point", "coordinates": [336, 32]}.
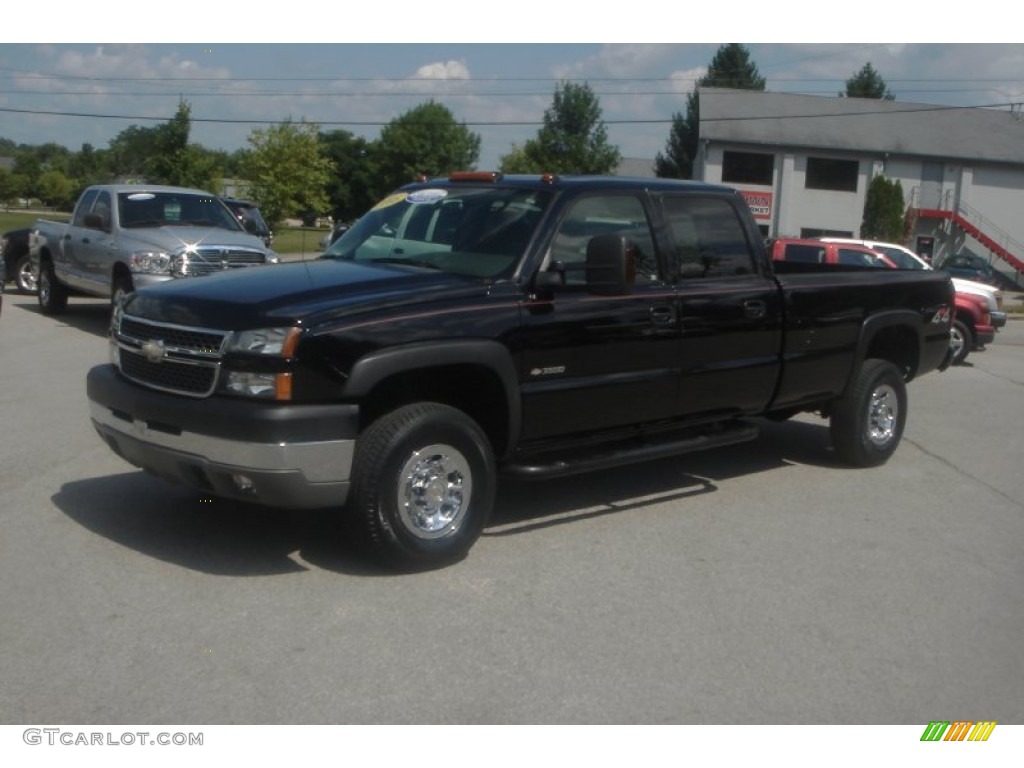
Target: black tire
{"type": "Point", "coordinates": [961, 340]}
{"type": "Point", "coordinates": [24, 275]}
{"type": "Point", "coordinates": [867, 423]}
{"type": "Point", "coordinates": [52, 295]}
{"type": "Point", "coordinates": [120, 287]}
{"type": "Point", "coordinates": [423, 481]}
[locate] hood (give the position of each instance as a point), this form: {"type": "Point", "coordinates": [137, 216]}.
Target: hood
{"type": "Point", "coordinates": [303, 293]}
{"type": "Point", "coordinates": [171, 238]}
{"type": "Point", "coordinates": [971, 286]}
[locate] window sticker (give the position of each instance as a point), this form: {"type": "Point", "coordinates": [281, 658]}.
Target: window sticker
{"type": "Point", "coordinates": [387, 202]}
{"type": "Point", "coordinates": [428, 195]}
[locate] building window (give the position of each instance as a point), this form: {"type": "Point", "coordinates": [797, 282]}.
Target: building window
{"type": "Point", "coordinates": [828, 173]}
{"type": "Point", "coordinates": [747, 168]}
{"type": "Point", "coordinates": [808, 232]}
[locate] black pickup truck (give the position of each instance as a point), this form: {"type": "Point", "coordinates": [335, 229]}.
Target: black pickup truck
{"type": "Point", "coordinates": [477, 325]}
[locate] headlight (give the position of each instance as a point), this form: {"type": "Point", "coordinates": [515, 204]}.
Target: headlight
{"type": "Point", "coordinates": [273, 258]}
{"type": "Point", "coordinates": [150, 263]}
{"type": "Point", "coordinates": [270, 386]}
{"type": "Point", "coordinates": [265, 341]}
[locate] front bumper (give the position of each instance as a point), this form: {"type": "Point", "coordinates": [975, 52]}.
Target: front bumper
{"type": "Point", "coordinates": [290, 456]}
{"type": "Point", "coordinates": [998, 319]}
{"type": "Point", "coordinates": [983, 334]}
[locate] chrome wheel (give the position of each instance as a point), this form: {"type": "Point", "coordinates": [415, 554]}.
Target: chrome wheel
{"type": "Point", "coordinates": [883, 415]}
{"type": "Point", "coordinates": [44, 288]}
{"type": "Point", "coordinates": [436, 486]}
{"type": "Point", "coordinates": [959, 341]}
{"type": "Point", "coordinates": [25, 277]}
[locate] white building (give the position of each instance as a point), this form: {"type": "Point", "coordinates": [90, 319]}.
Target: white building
{"type": "Point", "coordinates": [805, 162]}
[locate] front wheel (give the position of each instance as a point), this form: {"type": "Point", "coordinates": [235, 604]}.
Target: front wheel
{"type": "Point", "coordinates": [867, 422]}
{"type": "Point", "coordinates": [961, 340]}
{"type": "Point", "coordinates": [120, 287]}
{"type": "Point", "coordinates": [52, 295]}
{"type": "Point", "coordinates": [423, 483]}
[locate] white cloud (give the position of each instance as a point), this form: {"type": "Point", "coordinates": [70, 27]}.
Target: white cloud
{"type": "Point", "coordinates": [444, 70]}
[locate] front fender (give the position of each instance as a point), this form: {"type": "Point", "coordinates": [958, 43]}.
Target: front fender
{"type": "Point", "coordinates": [374, 368]}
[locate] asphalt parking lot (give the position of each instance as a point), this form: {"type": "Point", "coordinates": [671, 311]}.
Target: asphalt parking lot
{"type": "Point", "coordinates": [762, 583]}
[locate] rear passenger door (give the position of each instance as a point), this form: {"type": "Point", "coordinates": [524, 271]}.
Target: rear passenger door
{"type": "Point", "coordinates": [729, 309]}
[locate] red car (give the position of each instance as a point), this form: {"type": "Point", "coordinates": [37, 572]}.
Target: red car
{"type": "Point", "coordinates": [810, 251]}
{"type": "Point", "coordinates": [972, 326]}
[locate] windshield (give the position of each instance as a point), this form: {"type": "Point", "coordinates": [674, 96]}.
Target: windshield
{"type": "Point", "coordinates": [476, 231]}
{"type": "Point", "coordinates": [161, 209]}
{"type": "Point", "coordinates": [902, 259]}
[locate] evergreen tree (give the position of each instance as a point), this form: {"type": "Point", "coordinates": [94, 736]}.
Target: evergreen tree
{"type": "Point", "coordinates": [731, 67]}
{"type": "Point", "coordinates": [883, 210]}
{"type": "Point", "coordinates": [868, 84]}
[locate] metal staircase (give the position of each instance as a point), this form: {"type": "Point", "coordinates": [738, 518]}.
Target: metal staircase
{"type": "Point", "coordinates": [1007, 254]}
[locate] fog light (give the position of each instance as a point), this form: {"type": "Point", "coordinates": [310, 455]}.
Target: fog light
{"type": "Point", "coordinates": [244, 483]}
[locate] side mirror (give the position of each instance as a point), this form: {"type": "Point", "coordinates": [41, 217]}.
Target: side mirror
{"type": "Point", "coordinates": [611, 265]}
{"type": "Point", "coordinates": [95, 221]}
{"type": "Point", "coordinates": [552, 278]}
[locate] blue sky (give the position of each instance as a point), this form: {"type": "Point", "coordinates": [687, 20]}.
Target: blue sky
{"type": "Point", "coordinates": [357, 69]}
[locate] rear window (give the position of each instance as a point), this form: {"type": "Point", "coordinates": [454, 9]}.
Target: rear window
{"type": "Point", "coordinates": [804, 254]}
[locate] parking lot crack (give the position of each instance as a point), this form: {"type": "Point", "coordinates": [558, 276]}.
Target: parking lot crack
{"type": "Point", "coordinates": [967, 475]}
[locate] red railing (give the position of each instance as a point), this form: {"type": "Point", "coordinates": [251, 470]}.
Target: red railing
{"type": "Point", "coordinates": [977, 226]}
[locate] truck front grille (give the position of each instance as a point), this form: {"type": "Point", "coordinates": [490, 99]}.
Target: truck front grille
{"type": "Point", "coordinates": [168, 357]}
{"type": "Point", "coordinates": [169, 375]}
{"type": "Point", "coordinates": [205, 261]}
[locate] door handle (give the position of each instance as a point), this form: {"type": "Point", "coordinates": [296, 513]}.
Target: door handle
{"type": "Point", "coordinates": [662, 315]}
{"type": "Point", "coordinates": [755, 309]}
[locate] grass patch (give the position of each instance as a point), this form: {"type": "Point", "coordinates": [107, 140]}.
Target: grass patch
{"type": "Point", "coordinates": [17, 219]}
{"type": "Point", "coordinates": [298, 240]}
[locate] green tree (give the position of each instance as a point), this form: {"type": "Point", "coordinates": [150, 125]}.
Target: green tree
{"type": "Point", "coordinates": [883, 210]}
{"type": "Point", "coordinates": [349, 189]}
{"type": "Point", "coordinates": [174, 161]}
{"type": "Point", "coordinates": [868, 84]}
{"type": "Point", "coordinates": [9, 187]}
{"type": "Point", "coordinates": [731, 67]}
{"type": "Point", "coordinates": [573, 138]}
{"type": "Point", "coordinates": [129, 152]}
{"type": "Point", "coordinates": [287, 172]}
{"type": "Point", "coordinates": [87, 167]}
{"type": "Point", "coordinates": [56, 189]}
{"type": "Point", "coordinates": [516, 161]}
{"type": "Point", "coordinates": [425, 140]}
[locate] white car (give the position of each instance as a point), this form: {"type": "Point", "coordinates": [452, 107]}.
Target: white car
{"type": "Point", "coordinates": [907, 259]}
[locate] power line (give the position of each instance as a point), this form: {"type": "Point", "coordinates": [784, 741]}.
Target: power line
{"type": "Point", "coordinates": [499, 123]}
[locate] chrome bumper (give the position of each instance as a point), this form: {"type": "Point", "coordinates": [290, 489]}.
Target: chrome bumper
{"type": "Point", "coordinates": [268, 467]}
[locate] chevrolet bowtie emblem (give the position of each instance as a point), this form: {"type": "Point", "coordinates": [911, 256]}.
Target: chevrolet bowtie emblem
{"type": "Point", "coordinates": [154, 351]}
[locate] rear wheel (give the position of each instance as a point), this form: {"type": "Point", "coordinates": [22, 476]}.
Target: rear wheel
{"type": "Point", "coordinates": [961, 340]}
{"type": "Point", "coordinates": [52, 295]}
{"type": "Point", "coordinates": [422, 486]}
{"type": "Point", "coordinates": [867, 422]}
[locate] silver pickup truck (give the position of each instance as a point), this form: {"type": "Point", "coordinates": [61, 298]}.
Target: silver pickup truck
{"type": "Point", "coordinates": [126, 236]}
